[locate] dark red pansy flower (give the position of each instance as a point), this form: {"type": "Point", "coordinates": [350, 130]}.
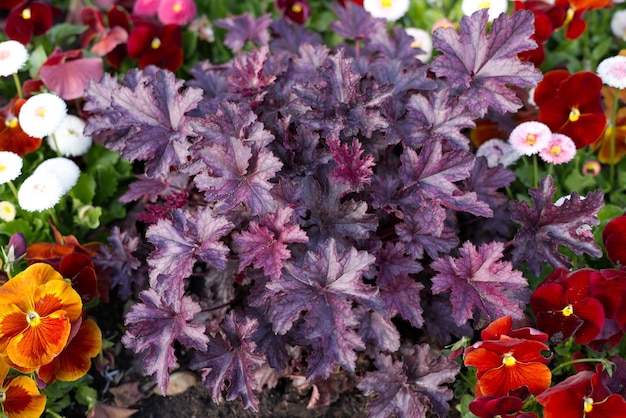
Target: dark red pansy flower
{"type": "Point", "coordinates": [614, 239]}
{"type": "Point", "coordinates": [12, 137]}
{"type": "Point", "coordinates": [499, 406]}
{"type": "Point", "coordinates": [571, 104]}
{"type": "Point", "coordinates": [504, 326]}
{"type": "Point", "coordinates": [296, 10]}
{"type": "Point", "coordinates": [28, 19]}
{"type": "Point", "coordinates": [566, 307]}
{"type": "Point", "coordinates": [343, 2]}
{"type": "Point", "coordinates": [81, 271]}
{"type": "Point", "coordinates": [508, 364]}
{"type": "Point", "coordinates": [156, 45]}
{"type": "Point", "coordinates": [582, 395]}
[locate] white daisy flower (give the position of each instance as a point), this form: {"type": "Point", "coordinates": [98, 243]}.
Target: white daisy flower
{"type": "Point", "coordinates": [64, 170]}
{"type": "Point", "coordinates": [13, 56]}
{"type": "Point", "coordinates": [612, 71]}
{"type": "Point", "coordinates": [42, 114]}
{"type": "Point", "coordinates": [39, 192]}
{"type": "Point", "coordinates": [497, 151]}
{"type": "Point", "coordinates": [7, 211]}
{"type": "Point", "coordinates": [390, 10]}
{"type": "Point", "coordinates": [618, 24]}
{"type": "Point", "coordinates": [68, 139]}
{"type": "Point", "coordinates": [423, 41]}
{"type": "Point", "coordinates": [496, 7]}
{"type": "Point", "coordinates": [10, 166]}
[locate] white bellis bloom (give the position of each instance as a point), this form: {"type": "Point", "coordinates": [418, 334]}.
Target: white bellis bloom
{"type": "Point", "coordinates": [7, 211]}
{"type": "Point", "coordinates": [618, 24]}
{"type": "Point", "coordinates": [496, 7]}
{"type": "Point", "coordinates": [497, 151]}
{"type": "Point", "coordinates": [423, 41]}
{"type": "Point", "coordinates": [39, 192]}
{"type": "Point", "coordinates": [42, 114]}
{"type": "Point", "coordinates": [612, 71]}
{"type": "Point", "coordinates": [10, 166]}
{"type": "Point", "coordinates": [13, 56]}
{"type": "Point", "coordinates": [64, 170]}
{"type": "Point", "coordinates": [68, 139]}
{"type": "Point", "coordinates": [390, 10]}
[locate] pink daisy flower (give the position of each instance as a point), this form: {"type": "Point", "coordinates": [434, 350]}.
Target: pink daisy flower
{"type": "Point", "coordinates": [612, 71]}
{"type": "Point", "coordinates": [529, 138]}
{"type": "Point", "coordinates": [560, 149]}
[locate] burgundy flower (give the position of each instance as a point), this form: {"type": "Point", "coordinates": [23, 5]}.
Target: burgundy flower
{"type": "Point", "coordinates": [504, 326]}
{"type": "Point", "coordinates": [343, 2]}
{"type": "Point", "coordinates": [582, 395]}
{"type": "Point", "coordinates": [154, 45]}
{"type": "Point", "coordinates": [28, 19]}
{"type": "Point", "coordinates": [80, 269]}
{"type": "Point", "coordinates": [109, 41]}
{"type": "Point", "coordinates": [296, 10]}
{"type": "Point", "coordinates": [571, 104]}
{"type": "Point", "coordinates": [503, 406]}
{"type": "Point", "coordinates": [566, 307]}
{"type": "Point", "coordinates": [614, 238]}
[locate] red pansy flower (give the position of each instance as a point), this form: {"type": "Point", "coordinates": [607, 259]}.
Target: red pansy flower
{"type": "Point", "coordinates": [571, 104]}
{"type": "Point", "coordinates": [566, 307]}
{"type": "Point", "coordinates": [358, 2]}
{"type": "Point", "coordinates": [12, 137]}
{"type": "Point", "coordinates": [499, 406]}
{"type": "Point", "coordinates": [28, 19]}
{"type": "Point", "coordinates": [81, 271]}
{"type": "Point", "coordinates": [509, 364]}
{"type": "Point", "coordinates": [614, 239]}
{"type": "Point", "coordinates": [504, 326]}
{"type": "Point", "coordinates": [67, 73]}
{"type": "Point", "coordinates": [582, 395]}
{"type": "Point", "coordinates": [296, 10]}
{"type": "Point", "coordinates": [154, 45]}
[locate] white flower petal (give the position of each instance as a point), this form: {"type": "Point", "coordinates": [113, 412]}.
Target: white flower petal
{"type": "Point", "coordinates": [42, 114]}
{"type": "Point", "coordinates": [496, 7]}
{"type": "Point", "coordinates": [391, 10]}
{"type": "Point", "coordinates": [68, 139]}
{"type": "Point", "coordinates": [7, 211]}
{"type": "Point", "coordinates": [612, 71]}
{"type": "Point", "coordinates": [10, 166]}
{"type": "Point", "coordinates": [64, 170]}
{"type": "Point", "coordinates": [13, 56]}
{"type": "Point", "coordinates": [39, 192]}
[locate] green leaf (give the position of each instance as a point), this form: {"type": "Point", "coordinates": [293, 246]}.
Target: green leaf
{"type": "Point", "coordinates": [36, 59]}
{"type": "Point", "coordinates": [64, 32]}
{"type": "Point", "coordinates": [87, 396]}
{"type": "Point", "coordinates": [85, 188]}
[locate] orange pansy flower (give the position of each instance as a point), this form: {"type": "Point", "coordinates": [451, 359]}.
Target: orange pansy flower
{"type": "Point", "coordinates": [507, 364]}
{"type": "Point", "coordinates": [75, 359]}
{"type": "Point", "coordinates": [19, 396]}
{"type": "Point", "coordinates": [37, 308]}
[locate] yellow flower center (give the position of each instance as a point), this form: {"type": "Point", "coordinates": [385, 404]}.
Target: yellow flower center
{"type": "Point", "coordinates": [568, 310]}
{"type": "Point", "coordinates": [386, 3]}
{"type": "Point", "coordinates": [26, 14]}
{"type": "Point", "coordinates": [485, 4]}
{"type": "Point", "coordinates": [4, 55]}
{"type": "Point", "coordinates": [12, 122]}
{"type": "Point", "coordinates": [33, 318]}
{"type": "Point", "coordinates": [41, 112]}
{"type": "Point", "coordinates": [531, 139]}
{"type": "Point", "coordinates": [588, 404]}
{"type": "Point", "coordinates": [574, 114]}
{"type": "Point", "coordinates": [2, 167]}
{"type": "Point", "coordinates": [177, 7]}
{"type": "Point", "coordinates": [296, 8]}
{"type": "Point", "coordinates": [508, 360]}
{"type": "Point", "coordinates": [555, 150]}
{"type": "Point", "coordinates": [156, 43]}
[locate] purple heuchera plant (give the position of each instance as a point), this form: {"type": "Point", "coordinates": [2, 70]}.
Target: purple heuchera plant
{"type": "Point", "coordinates": [324, 190]}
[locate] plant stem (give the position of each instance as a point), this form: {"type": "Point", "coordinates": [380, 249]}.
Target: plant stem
{"type": "Point", "coordinates": [612, 139]}
{"type": "Point", "coordinates": [18, 85]}
{"type": "Point", "coordinates": [535, 171]}
{"type": "Point", "coordinates": [13, 189]}
{"type": "Point", "coordinates": [605, 362]}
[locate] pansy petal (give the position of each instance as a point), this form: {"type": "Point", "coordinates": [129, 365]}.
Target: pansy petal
{"type": "Point", "coordinates": [75, 360]}
{"type": "Point", "coordinates": [12, 323]}
{"type": "Point", "coordinates": [58, 295]}
{"type": "Point", "coordinates": [497, 382]}
{"type": "Point", "coordinates": [25, 283]}
{"type": "Point", "coordinates": [40, 343]}
{"type": "Point", "coordinates": [590, 310]}
{"type": "Point", "coordinates": [483, 359]}
{"type": "Point", "coordinates": [23, 399]}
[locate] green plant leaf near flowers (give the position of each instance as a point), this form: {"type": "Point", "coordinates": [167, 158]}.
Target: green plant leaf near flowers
{"type": "Point", "coordinates": [317, 191]}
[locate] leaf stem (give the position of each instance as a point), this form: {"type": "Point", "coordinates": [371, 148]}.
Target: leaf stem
{"type": "Point", "coordinates": [606, 363]}
{"type": "Point", "coordinates": [612, 139]}
{"type": "Point", "coordinates": [18, 85]}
